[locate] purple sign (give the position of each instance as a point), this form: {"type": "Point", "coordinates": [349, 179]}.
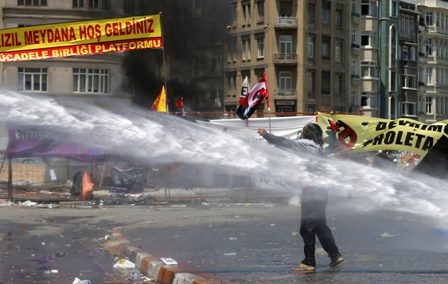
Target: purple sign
{"type": "Point", "coordinates": [39, 142]}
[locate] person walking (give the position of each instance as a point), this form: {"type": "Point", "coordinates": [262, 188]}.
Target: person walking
{"type": "Point", "coordinates": [314, 199]}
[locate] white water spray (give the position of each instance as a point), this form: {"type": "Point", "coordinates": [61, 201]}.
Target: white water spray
{"type": "Point", "coordinates": [155, 137]}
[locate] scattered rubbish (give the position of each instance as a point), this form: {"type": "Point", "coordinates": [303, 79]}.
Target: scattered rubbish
{"type": "Point", "coordinates": [60, 254]}
{"type": "Point", "coordinates": [28, 203]}
{"type": "Point", "coordinates": [43, 243]}
{"type": "Point", "coordinates": [388, 235]}
{"type": "Point", "coordinates": [230, 253]}
{"type": "Point", "coordinates": [294, 233]}
{"type": "Point", "coordinates": [49, 206]}
{"type": "Point", "coordinates": [79, 281]}
{"type": "Point", "coordinates": [134, 276]}
{"type": "Point", "coordinates": [4, 202]}
{"type": "Point", "coordinates": [233, 239]}
{"type": "Point", "coordinates": [52, 271]}
{"type": "Point", "coordinates": [168, 261]}
{"type": "Point", "coordinates": [124, 264]}
{"type": "Point", "coordinates": [106, 237]}
{"type": "Point", "coordinates": [272, 225]}
{"type": "Point", "coordinates": [52, 175]}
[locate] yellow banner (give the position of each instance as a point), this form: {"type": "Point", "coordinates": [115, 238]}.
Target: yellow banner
{"type": "Point", "coordinates": [361, 134]}
{"type": "Point", "coordinates": [80, 38]}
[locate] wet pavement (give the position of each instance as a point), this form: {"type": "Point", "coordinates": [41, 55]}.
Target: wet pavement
{"type": "Point", "coordinates": [260, 243]}
{"type": "Point", "coordinates": [249, 242]}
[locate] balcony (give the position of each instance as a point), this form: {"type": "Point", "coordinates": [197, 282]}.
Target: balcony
{"type": "Point", "coordinates": [286, 22]}
{"type": "Point", "coordinates": [285, 93]}
{"type": "Point", "coordinates": [355, 79]}
{"type": "Point", "coordinates": [285, 58]}
{"type": "Point", "coordinates": [355, 48]}
{"type": "Point", "coordinates": [356, 18]}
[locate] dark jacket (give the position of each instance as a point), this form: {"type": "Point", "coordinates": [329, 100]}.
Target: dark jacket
{"type": "Point", "coordinates": [299, 146]}
{"type": "Point", "coordinates": [314, 199]}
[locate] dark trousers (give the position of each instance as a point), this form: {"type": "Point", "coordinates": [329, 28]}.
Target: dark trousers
{"type": "Point", "coordinates": [308, 231]}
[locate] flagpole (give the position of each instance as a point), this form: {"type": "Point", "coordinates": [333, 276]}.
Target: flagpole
{"type": "Point", "coordinates": [164, 66]}
{"type": "Point", "coordinates": [269, 118]}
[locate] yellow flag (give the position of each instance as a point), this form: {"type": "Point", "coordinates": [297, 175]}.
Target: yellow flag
{"type": "Point", "coordinates": [159, 104]}
{"type": "Point", "coordinates": [361, 134]}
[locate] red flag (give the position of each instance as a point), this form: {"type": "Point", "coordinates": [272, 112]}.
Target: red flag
{"type": "Point", "coordinates": [256, 95]}
{"type": "Point", "coordinates": [180, 103]}
{"type": "Point", "coordinates": [265, 91]}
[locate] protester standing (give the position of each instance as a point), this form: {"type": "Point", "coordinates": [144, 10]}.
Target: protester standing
{"type": "Point", "coordinates": [314, 199]}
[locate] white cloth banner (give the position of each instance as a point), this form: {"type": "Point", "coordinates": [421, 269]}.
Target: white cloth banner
{"type": "Point", "coordinates": [280, 126]}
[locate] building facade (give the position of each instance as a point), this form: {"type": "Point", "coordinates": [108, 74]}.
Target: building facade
{"type": "Point", "coordinates": [382, 58]}
{"type": "Point", "coordinates": [94, 76]}
{"type": "Point", "coordinates": [433, 61]}
{"type": "Point", "coordinates": [304, 48]}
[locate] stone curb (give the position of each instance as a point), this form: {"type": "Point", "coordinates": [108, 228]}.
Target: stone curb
{"type": "Point", "coordinates": [118, 245]}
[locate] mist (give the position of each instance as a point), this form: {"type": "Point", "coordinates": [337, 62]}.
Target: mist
{"type": "Point", "coordinates": [150, 137]}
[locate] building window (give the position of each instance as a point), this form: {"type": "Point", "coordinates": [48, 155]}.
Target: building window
{"type": "Point", "coordinates": [412, 55]}
{"type": "Point", "coordinates": [325, 82]}
{"type": "Point", "coordinates": [368, 100]}
{"type": "Point", "coordinates": [428, 105]}
{"type": "Point", "coordinates": [338, 51]}
{"type": "Point", "coordinates": [409, 81]}
{"type": "Point", "coordinates": [393, 8]}
{"type": "Point", "coordinates": [285, 106]}
{"type": "Point", "coordinates": [32, 79]}
{"type": "Point", "coordinates": [392, 80]}
{"type": "Point", "coordinates": [311, 108]}
{"type": "Point", "coordinates": [310, 47]}
{"type": "Point", "coordinates": [285, 80]}
{"type": "Point", "coordinates": [310, 84]}
{"type": "Point", "coordinates": [260, 10]}
{"type": "Point", "coordinates": [91, 4]}
{"type": "Point", "coordinates": [311, 13]}
{"type": "Point", "coordinates": [404, 53]}
{"type": "Point", "coordinates": [90, 81]}
{"type": "Point", "coordinates": [326, 47]}
{"type": "Point", "coordinates": [260, 47]}
{"type": "Point", "coordinates": [368, 69]}
{"type": "Point", "coordinates": [429, 47]}
{"type": "Point", "coordinates": [245, 42]}
{"type": "Point", "coordinates": [408, 108]}
{"type": "Point", "coordinates": [259, 73]}
{"type": "Point", "coordinates": [369, 8]}
{"type": "Point", "coordinates": [31, 2]}
{"type": "Point", "coordinates": [231, 84]}
{"type": "Point", "coordinates": [338, 85]}
{"type": "Point", "coordinates": [285, 42]}
{"type": "Point", "coordinates": [285, 8]}
{"type": "Point", "coordinates": [429, 81]}
{"type": "Point", "coordinates": [326, 12]}
{"type": "Point", "coordinates": [246, 13]}
{"type": "Point", "coordinates": [339, 16]}
{"type": "Point", "coordinates": [428, 18]}
{"type": "Point", "coordinates": [244, 74]}
{"type": "Point", "coordinates": [367, 40]}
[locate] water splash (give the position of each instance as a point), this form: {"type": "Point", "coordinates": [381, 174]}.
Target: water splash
{"type": "Point", "coordinates": [154, 137]}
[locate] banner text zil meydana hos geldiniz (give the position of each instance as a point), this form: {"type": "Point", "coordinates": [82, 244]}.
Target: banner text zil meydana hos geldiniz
{"type": "Point", "coordinates": [80, 38]}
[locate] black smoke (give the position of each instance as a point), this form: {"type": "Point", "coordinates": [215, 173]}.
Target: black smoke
{"type": "Point", "coordinates": [194, 33]}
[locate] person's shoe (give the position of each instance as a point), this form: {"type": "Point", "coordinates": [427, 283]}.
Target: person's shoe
{"type": "Point", "coordinates": [336, 260]}
{"type": "Point", "coordinates": [306, 267]}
